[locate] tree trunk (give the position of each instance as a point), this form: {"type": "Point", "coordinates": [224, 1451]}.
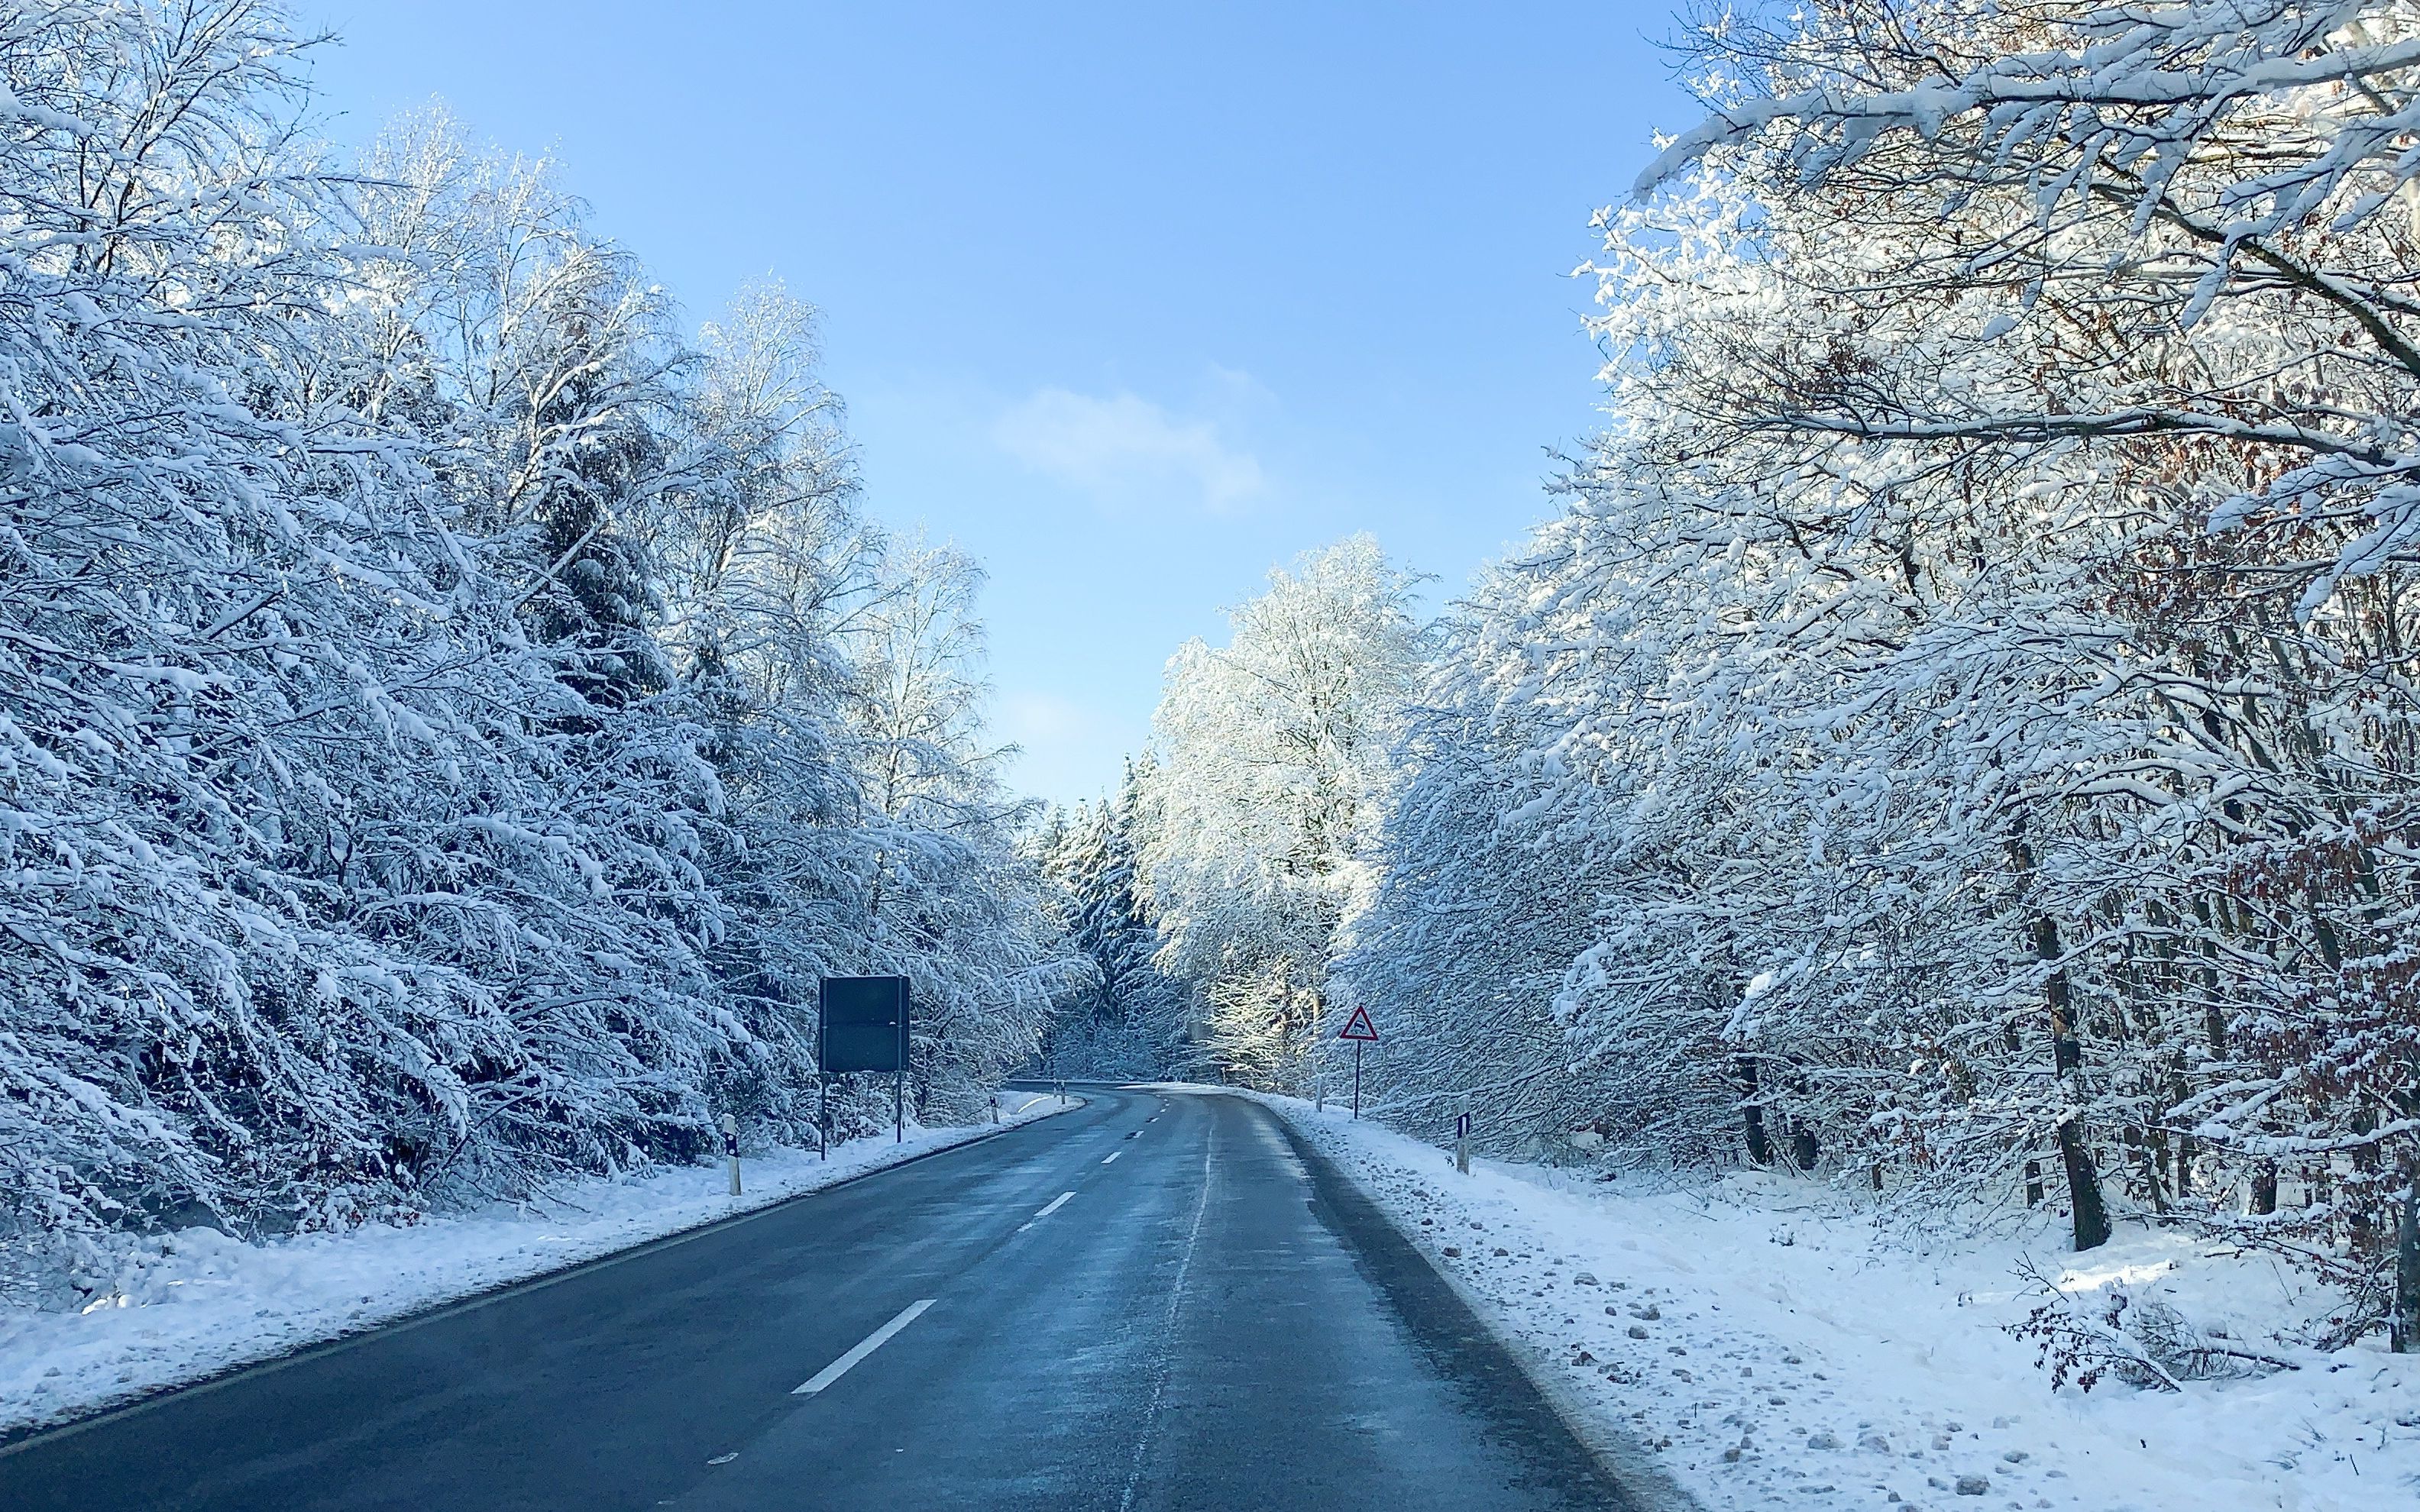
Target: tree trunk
{"type": "Point", "coordinates": [1803, 1150]}
{"type": "Point", "coordinates": [2264, 1188]}
{"type": "Point", "coordinates": [1760, 1148]}
{"type": "Point", "coordinates": [2067, 1056]}
{"type": "Point", "coordinates": [2083, 1188]}
{"type": "Point", "coordinates": [2404, 1333]}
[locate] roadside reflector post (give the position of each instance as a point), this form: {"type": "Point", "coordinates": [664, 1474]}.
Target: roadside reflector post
{"type": "Point", "coordinates": [1462, 1138]}
{"type": "Point", "coordinates": [731, 1149]}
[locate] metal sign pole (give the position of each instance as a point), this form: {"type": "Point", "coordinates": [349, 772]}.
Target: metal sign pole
{"type": "Point", "coordinates": [899, 1106]}
{"type": "Point", "coordinates": [1360, 1031]}
{"type": "Point", "coordinates": [823, 1115]}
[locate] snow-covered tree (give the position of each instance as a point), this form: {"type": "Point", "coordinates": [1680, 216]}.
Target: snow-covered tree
{"type": "Point", "coordinates": [1272, 756]}
{"type": "Point", "coordinates": [1128, 1018]}
{"type": "Point", "coordinates": [2162, 255]}
{"type": "Point", "coordinates": [1520, 811]}
{"type": "Point", "coordinates": [951, 899]}
{"type": "Point", "coordinates": [1968, 681]}
{"type": "Point", "coordinates": [435, 736]}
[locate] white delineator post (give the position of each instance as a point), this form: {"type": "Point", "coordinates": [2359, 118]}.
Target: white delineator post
{"type": "Point", "coordinates": [1462, 1138]}
{"type": "Point", "coordinates": [731, 1149]}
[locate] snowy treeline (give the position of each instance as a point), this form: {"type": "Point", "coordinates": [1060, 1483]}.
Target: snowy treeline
{"type": "Point", "coordinates": [448, 720]}
{"type": "Point", "coordinates": [1128, 1018]}
{"type": "Point", "coordinates": [1272, 758]}
{"type": "Point", "coordinates": [1235, 849]}
{"type": "Point", "coordinates": [1958, 735]}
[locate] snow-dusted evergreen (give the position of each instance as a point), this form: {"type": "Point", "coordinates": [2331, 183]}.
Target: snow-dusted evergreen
{"type": "Point", "coordinates": [1130, 1018]}
{"type": "Point", "coordinates": [447, 720]}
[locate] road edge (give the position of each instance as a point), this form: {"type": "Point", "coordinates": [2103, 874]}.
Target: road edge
{"type": "Point", "coordinates": [110, 1410]}
{"type": "Point", "coordinates": [1624, 1459]}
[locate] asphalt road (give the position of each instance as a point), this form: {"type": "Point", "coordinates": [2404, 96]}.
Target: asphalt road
{"type": "Point", "coordinates": [1158, 1301]}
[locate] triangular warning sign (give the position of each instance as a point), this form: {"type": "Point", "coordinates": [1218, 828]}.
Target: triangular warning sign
{"type": "Point", "coordinates": [1358, 1027]}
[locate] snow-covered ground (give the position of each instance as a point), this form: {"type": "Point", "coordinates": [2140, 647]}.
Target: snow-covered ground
{"type": "Point", "coordinates": [1765, 1345]}
{"type": "Point", "coordinates": [190, 1304]}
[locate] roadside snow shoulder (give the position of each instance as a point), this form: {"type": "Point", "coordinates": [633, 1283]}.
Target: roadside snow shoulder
{"type": "Point", "coordinates": [197, 1303]}
{"type": "Point", "coordinates": [1767, 1352]}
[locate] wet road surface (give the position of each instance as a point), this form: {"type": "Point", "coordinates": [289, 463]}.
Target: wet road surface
{"type": "Point", "coordinates": [1158, 1301]}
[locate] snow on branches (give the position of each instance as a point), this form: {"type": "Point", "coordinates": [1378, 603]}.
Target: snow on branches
{"type": "Point", "coordinates": [1958, 736]}
{"type": "Point", "coordinates": [1273, 755]}
{"type": "Point", "coordinates": [441, 712]}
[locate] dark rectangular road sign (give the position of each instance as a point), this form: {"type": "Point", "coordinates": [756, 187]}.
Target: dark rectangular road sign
{"type": "Point", "coordinates": [864, 1024]}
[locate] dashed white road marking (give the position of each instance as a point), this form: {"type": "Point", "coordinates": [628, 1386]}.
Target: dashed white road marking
{"type": "Point", "coordinates": [1111, 1155]}
{"type": "Point", "coordinates": [866, 1346]}
{"type": "Point", "coordinates": [1055, 1203]}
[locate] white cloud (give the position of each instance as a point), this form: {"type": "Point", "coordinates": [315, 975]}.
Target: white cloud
{"type": "Point", "coordinates": [1124, 449]}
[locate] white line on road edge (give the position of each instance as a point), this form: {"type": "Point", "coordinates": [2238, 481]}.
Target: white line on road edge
{"type": "Point", "coordinates": [872, 1342]}
{"type": "Point", "coordinates": [1044, 1212]}
{"type": "Point", "coordinates": [1111, 1155]}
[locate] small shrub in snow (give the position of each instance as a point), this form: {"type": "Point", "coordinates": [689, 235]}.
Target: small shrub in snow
{"type": "Point", "coordinates": [2142, 1341]}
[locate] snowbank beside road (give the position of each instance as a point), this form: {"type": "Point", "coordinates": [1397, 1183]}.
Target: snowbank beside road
{"type": "Point", "coordinates": [1774, 1350]}
{"type": "Point", "coordinates": [193, 1305]}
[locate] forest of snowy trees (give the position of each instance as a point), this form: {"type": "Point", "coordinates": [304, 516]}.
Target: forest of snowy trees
{"type": "Point", "coordinates": [449, 719]}
{"type": "Point", "coordinates": [1957, 737]}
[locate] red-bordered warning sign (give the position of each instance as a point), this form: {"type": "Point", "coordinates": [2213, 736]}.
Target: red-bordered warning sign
{"type": "Point", "coordinates": [1359, 1027]}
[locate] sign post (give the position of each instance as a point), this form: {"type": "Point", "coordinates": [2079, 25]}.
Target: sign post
{"type": "Point", "coordinates": [1360, 1031]}
{"type": "Point", "coordinates": [863, 1026]}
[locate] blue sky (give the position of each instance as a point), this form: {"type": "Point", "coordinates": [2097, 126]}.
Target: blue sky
{"type": "Point", "coordinates": [1131, 301]}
